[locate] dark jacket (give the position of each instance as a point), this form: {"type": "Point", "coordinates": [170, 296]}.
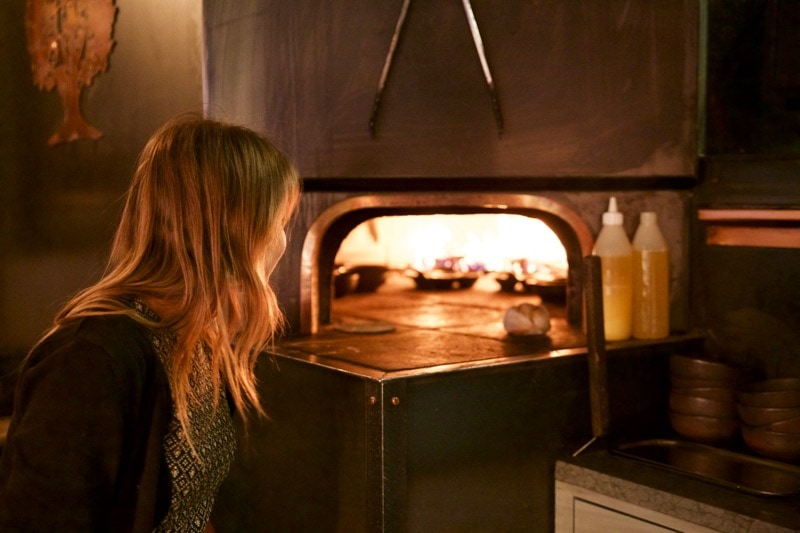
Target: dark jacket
{"type": "Point", "coordinates": [84, 449]}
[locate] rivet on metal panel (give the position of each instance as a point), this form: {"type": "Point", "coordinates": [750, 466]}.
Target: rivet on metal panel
{"type": "Point", "coordinates": [395, 400]}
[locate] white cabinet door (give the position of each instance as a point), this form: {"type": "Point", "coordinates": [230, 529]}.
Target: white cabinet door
{"type": "Point", "coordinates": [590, 517]}
{"type": "Point", "coordinates": [579, 510]}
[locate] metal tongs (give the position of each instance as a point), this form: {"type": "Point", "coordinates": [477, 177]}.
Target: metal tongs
{"type": "Point", "coordinates": [476, 37]}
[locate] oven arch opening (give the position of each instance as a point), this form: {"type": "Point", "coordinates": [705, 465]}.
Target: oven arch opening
{"type": "Point", "coordinates": [332, 226]}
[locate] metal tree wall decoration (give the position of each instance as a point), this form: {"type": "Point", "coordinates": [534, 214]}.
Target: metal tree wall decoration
{"type": "Point", "coordinates": [69, 42]}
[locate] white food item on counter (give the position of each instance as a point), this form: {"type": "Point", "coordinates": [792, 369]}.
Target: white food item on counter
{"type": "Point", "coordinates": [527, 319]}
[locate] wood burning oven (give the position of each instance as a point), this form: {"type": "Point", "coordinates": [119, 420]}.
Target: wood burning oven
{"type": "Point", "coordinates": [326, 233]}
{"type": "Point", "coordinates": [439, 428]}
{"type": "Point", "coordinates": [435, 427]}
{"type": "Point", "coordinates": [324, 220]}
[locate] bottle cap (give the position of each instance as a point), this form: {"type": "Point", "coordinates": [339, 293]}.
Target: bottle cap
{"type": "Point", "coordinates": [612, 217]}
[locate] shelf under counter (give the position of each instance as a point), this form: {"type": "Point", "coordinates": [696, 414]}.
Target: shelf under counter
{"type": "Point", "coordinates": [760, 227]}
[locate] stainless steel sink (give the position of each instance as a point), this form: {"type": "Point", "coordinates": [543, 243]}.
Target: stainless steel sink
{"type": "Point", "coordinates": [731, 469]}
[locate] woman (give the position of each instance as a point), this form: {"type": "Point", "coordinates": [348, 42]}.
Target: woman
{"type": "Point", "coordinates": [122, 416]}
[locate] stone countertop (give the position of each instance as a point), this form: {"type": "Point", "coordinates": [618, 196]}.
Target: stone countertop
{"type": "Point", "coordinates": [704, 503]}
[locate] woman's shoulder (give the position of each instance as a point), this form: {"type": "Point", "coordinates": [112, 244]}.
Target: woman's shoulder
{"type": "Point", "coordinates": [97, 361]}
{"type": "Point", "coordinates": [117, 339]}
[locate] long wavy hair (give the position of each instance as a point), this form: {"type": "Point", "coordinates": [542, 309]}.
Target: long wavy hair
{"type": "Point", "coordinates": [207, 204]}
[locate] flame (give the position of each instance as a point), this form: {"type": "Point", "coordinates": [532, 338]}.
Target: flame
{"type": "Point", "coordinates": [426, 244]}
{"type": "Point", "coordinates": [486, 241]}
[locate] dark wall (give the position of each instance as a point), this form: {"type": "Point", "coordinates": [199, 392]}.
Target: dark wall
{"type": "Point", "coordinates": [595, 88]}
{"type": "Point", "coordinates": [60, 203]}
{"type": "Point", "coordinates": [747, 297]}
{"type": "Point", "coordinates": [753, 77]}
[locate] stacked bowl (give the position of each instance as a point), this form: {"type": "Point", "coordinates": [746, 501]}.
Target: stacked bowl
{"type": "Point", "coordinates": [770, 413]}
{"type": "Point", "coordinates": [702, 400]}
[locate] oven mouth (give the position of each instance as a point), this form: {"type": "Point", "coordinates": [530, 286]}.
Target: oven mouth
{"type": "Point", "coordinates": [332, 225]}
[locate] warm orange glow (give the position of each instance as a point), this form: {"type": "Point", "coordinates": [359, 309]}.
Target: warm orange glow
{"type": "Point", "coordinates": [498, 242]}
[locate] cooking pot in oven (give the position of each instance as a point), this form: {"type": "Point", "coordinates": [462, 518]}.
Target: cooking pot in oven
{"type": "Point", "coordinates": [438, 280]}
{"type": "Point", "coordinates": [358, 278]}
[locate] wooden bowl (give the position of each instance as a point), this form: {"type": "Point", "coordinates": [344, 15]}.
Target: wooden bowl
{"type": "Point", "coordinates": [707, 429]}
{"type": "Point", "coordinates": [774, 384]}
{"type": "Point", "coordinates": [721, 394]}
{"type": "Point", "coordinates": [684, 366]}
{"type": "Point", "coordinates": [790, 425]}
{"type": "Point", "coordinates": [780, 392]}
{"type": "Point", "coordinates": [697, 405]}
{"type": "Point", "coordinates": [772, 444]}
{"type": "Point", "coordinates": [761, 416]}
{"type": "Point", "coordinates": [695, 383]}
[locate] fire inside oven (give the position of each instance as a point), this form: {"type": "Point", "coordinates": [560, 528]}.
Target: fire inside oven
{"type": "Point", "coordinates": [451, 252]}
{"type": "Point", "coordinates": [450, 270]}
{"type": "Point", "coordinates": [478, 254]}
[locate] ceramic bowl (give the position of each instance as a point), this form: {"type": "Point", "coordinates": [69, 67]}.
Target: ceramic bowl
{"type": "Point", "coordinates": [790, 425]}
{"type": "Point", "coordinates": [780, 392]}
{"type": "Point", "coordinates": [707, 429]}
{"type": "Point", "coordinates": [721, 394]}
{"type": "Point", "coordinates": [688, 367]}
{"type": "Point", "coordinates": [772, 444]}
{"type": "Point", "coordinates": [697, 405]}
{"type": "Point", "coordinates": [761, 416]}
{"type": "Point", "coordinates": [679, 382]}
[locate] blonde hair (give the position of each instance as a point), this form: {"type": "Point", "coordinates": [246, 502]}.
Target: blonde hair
{"type": "Point", "coordinates": [206, 202]}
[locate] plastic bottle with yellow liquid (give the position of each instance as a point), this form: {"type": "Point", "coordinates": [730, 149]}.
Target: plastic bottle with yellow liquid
{"type": "Point", "coordinates": [650, 280]}
{"type": "Point", "coordinates": [616, 262]}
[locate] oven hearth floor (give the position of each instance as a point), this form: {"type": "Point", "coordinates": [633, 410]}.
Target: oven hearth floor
{"type": "Point", "coordinates": [431, 328]}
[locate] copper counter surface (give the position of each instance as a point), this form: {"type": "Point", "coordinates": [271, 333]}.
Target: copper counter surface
{"type": "Point", "coordinates": [433, 331]}
{"type": "Point", "coordinates": [706, 504]}
{"type": "Point", "coordinates": [409, 349]}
